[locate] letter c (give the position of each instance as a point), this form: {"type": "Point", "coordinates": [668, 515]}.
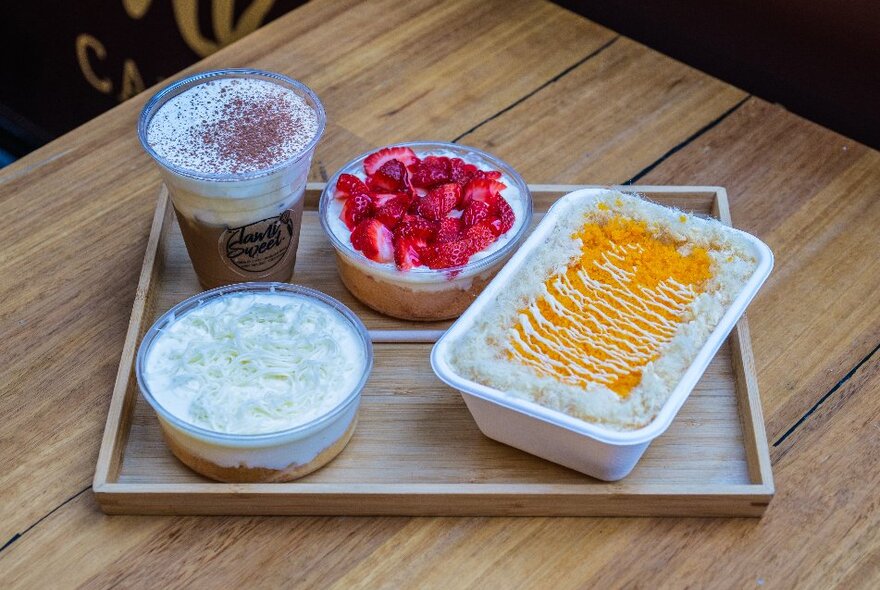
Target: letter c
{"type": "Point", "coordinates": [84, 42]}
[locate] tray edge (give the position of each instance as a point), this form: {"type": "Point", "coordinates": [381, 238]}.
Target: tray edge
{"type": "Point", "coordinates": [727, 500]}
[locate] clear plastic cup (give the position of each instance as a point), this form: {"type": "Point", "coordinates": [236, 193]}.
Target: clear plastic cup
{"type": "Point", "coordinates": [266, 457]}
{"type": "Point", "coordinates": [244, 226]}
{"type": "Point", "coordinates": [424, 294]}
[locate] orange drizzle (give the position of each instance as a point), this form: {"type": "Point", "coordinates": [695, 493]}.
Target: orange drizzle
{"type": "Point", "coordinates": [607, 315]}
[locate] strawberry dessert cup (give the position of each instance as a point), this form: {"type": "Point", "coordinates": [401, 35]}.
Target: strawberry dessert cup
{"type": "Point", "coordinates": [420, 228]}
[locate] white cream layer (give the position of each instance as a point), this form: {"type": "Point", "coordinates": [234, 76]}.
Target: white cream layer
{"type": "Point", "coordinates": [250, 363]}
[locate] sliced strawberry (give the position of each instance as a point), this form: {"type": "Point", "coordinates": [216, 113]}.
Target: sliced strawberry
{"type": "Point", "coordinates": [475, 212]}
{"type": "Point", "coordinates": [392, 211]}
{"type": "Point", "coordinates": [482, 189]}
{"type": "Point", "coordinates": [502, 215]}
{"type": "Point", "coordinates": [356, 209]}
{"type": "Point", "coordinates": [373, 239]}
{"type": "Point", "coordinates": [490, 174]}
{"type": "Point", "coordinates": [391, 176]}
{"type": "Point", "coordinates": [413, 226]}
{"type": "Point", "coordinates": [347, 185]}
{"type": "Point", "coordinates": [440, 201]}
{"type": "Point", "coordinates": [460, 172]}
{"type": "Point", "coordinates": [431, 171]}
{"type": "Point", "coordinates": [408, 252]}
{"type": "Point", "coordinates": [480, 236]}
{"type": "Point", "coordinates": [381, 199]}
{"type": "Point", "coordinates": [374, 161]}
{"type": "Point", "coordinates": [449, 230]}
{"type": "Point", "coordinates": [447, 254]}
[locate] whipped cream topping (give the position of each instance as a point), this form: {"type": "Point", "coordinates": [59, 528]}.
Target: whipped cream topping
{"type": "Point", "coordinates": [232, 125]}
{"type": "Point", "coordinates": [510, 194]}
{"type": "Point", "coordinates": [249, 363]}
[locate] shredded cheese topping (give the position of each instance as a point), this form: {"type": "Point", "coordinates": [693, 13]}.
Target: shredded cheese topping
{"type": "Point", "coordinates": [606, 316]}
{"type": "Point", "coordinates": [255, 363]}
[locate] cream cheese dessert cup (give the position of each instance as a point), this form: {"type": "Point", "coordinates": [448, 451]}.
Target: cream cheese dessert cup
{"type": "Point", "coordinates": [256, 382]}
{"type": "Point", "coordinates": [234, 147]}
{"type": "Point", "coordinates": [422, 293]}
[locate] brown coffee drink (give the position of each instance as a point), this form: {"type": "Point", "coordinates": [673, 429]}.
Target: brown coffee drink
{"type": "Point", "coordinates": [235, 148]}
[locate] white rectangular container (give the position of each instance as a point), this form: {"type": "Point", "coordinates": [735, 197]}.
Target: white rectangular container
{"type": "Point", "coordinates": [585, 447]}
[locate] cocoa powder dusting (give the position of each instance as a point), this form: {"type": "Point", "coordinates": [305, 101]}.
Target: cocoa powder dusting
{"type": "Point", "coordinates": [232, 126]}
{"type": "Point", "coordinates": [251, 133]}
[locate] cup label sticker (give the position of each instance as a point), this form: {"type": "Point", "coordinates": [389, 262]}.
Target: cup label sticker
{"type": "Point", "coordinates": [258, 246]}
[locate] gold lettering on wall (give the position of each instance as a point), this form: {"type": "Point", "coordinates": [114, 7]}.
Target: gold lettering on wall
{"type": "Point", "coordinates": [226, 31]}
{"type": "Point", "coordinates": [90, 51]}
{"type": "Point", "coordinates": [84, 43]}
{"type": "Point", "coordinates": [132, 82]}
{"type": "Point", "coordinates": [136, 9]}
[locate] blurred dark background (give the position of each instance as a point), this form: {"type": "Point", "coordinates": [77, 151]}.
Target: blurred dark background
{"type": "Point", "coordinates": [63, 63]}
{"type": "Point", "coordinates": [817, 58]}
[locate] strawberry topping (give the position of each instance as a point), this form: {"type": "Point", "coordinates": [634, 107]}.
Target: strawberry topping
{"type": "Point", "coordinates": [503, 216]}
{"type": "Point", "coordinates": [480, 236]}
{"type": "Point", "coordinates": [475, 212]}
{"type": "Point", "coordinates": [374, 161]}
{"type": "Point", "coordinates": [408, 252]}
{"type": "Point", "coordinates": [432, 171]}
{"type": "Point", "coordinates": [439, 201]}
{"type": "Point", "coordinates": [382, 199]}
{"type": "Point", "coordinates": [460, 172]}
{"type": "Point", "coordinates": [490, 174]}
{"type": "Point", "coordinates": [356, 209]}
{"type": "Point", "coordinates": [412, 226]}
{"type": "Point", "coordinates": [482, 189]}
{"type": "Point", "coordinates": [373, 239]}
{"type": "Point", "coordinates": [449, 230]}
{"type": "Point", "coordinates": [392, 211]}
{"type": "Point", "coordinates": [391, 176]}
{"type": "Point", "coordinates": [435, 212]}
{"type": "Point", "coordinates": [349, 184]}
{"type": "Point", "coordinates": [447, 254]}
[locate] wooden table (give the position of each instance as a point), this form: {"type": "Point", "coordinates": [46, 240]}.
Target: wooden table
{"type": "Point", "coordinates": [563, 100]}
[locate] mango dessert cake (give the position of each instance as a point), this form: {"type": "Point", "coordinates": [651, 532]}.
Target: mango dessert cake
{"type": "Point", "coordinates": [605, 318]}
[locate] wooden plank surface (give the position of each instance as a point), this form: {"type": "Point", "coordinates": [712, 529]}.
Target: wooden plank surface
{"type": "Point", "coordinates": [78, 214]}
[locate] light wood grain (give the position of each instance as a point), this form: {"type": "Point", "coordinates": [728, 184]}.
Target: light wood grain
{"type": "Point", "coordinates": [501, 552]}
{"type": "Point", "coordinates": [608, 119]}
{"type": "Point", "coordinates": [810, 193]}
{"type": "Point", "coordinates": [818, 208]}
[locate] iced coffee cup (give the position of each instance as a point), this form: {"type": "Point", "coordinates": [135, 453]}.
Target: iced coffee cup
{"type": "Point", "coordinates": [234, 147]}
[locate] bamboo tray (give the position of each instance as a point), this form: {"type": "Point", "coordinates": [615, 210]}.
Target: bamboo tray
{"type": "Point", "coordinates": [416, 450]}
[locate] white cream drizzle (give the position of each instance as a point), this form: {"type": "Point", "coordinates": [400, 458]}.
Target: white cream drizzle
{"type": "Point", "coordinates": [628, 333]}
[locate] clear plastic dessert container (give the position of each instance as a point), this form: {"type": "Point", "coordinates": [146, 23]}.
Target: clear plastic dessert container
{"type": "Point", "coordinates": [586, 447]}
{"type": "Point", "coordinates": [423, 294]}
{"type": "Point", "coordinates": [215, 203]}
{"type": "Point", "coordinates": [266, 457]}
